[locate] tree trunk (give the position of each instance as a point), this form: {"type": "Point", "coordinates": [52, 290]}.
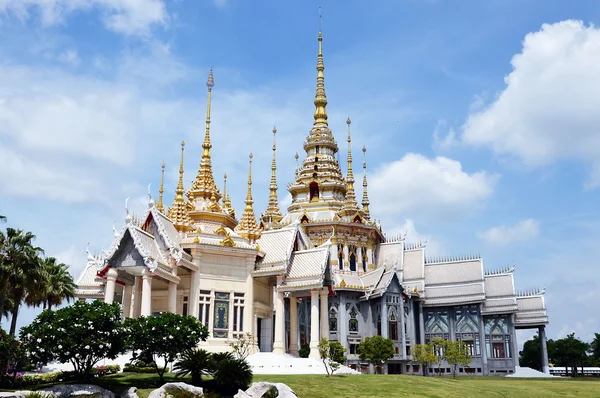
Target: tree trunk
{"type": "Point", "coordinates": [3, 295]}
{"type": "Point", "coordinates": [15, 314]}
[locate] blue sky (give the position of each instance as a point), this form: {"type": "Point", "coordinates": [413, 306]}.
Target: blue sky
{"type": "Point", "coordinates": [480, 120]}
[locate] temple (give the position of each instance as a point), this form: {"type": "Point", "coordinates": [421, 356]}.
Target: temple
{"type": "Point", "coordinates": [322, 269]}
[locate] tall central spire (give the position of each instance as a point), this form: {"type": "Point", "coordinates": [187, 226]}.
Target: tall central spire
{"type": "Point", "coordinates": [320, 97]}
{"type": "Point", "coordinates": [204, 185]}
{"type": "Point", "coordinates": [272, 214]}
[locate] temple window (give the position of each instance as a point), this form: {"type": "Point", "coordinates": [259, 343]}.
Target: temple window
{"type": "Point", "coordinates": [184, 312]}
{"type": "Point", "coordinates": [341, 256]}
{"type": "Point", "coordinates": [204, 310]}
{"type": "Point", "coordinates": [436, 325]}
{"type": "Point", "coordinates": [467, 328]}
{"type": "Point", "coordinates": [497, 337]}
{"type": "Point", "coordinates": [238, 315]}
{"type": "Point", "coordinates": [333, 320]}
{"type": "Point", "coordinates": [353, 321]}
{"type": "Point", "coordinates": [352, 257]}
{"type": "Point", "coordinates": [393, 325]}
{"type": "Point", "coordinates": [314, 191]}
{"type": "Point", "coordinates": [221, 321]}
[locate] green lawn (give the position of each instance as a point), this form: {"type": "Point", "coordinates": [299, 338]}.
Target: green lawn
{"type": "Point", "coordinates": [367, 386]}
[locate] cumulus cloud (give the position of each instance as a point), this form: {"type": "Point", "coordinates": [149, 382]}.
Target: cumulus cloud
{"type": "Point", "coordinates": [417, 185]}
{"type": "Point", "coordinates": [548, 109]}
{"type": "Point", "coordinates": [408, 229]}
{"type": "Point", "coordinates": [123, 16]}
{"type": "Point", "coordinates": [506, 234]}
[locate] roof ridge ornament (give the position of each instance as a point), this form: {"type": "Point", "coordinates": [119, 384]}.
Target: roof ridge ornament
{"type": "Point", "coordinates": [150, 200]}
{"type": "Point", "coordinates": [160, 206]}
{"type": "Point", "coordinates": [247, 226]}
{"type": "Point", "coordinates": [272, 214]}
{"type": "Point", "coordinates": [365, 198]}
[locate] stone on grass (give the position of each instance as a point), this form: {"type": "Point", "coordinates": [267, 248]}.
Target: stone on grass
{"type": "Point", "coordinates": [172, 387]}
{"type": "Point", "coordinates": [264, 389]}
{"type": "Point", "coordinates": [14, 394]}
{"type": "Point", "coordinates": [78, 391]}
{"type": "Point", "coordinates": [130, 393]}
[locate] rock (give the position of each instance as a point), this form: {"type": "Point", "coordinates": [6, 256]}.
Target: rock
{"type": "Point", "coordinates": [14, 394]}
{"type": "Point", "coordinates": [78, 391]}
{"type": "Point", "coordinates": [264, 389]}
{"type": "Point", "coordinates": [131, 393]}
{"type": "Point", "coordinates": [170, 387]}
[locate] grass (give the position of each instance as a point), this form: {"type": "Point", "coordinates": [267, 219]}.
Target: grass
{"type": "Point", "coordinates": [371, 386]}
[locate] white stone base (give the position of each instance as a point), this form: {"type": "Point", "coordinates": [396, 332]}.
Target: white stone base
{"type": "Point", "coordinates": [528, 372]}
{"type": "Point", "coordinates": [266, 363]}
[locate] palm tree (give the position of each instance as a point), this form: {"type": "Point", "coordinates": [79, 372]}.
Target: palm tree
{"type": "Point", "coordinates": [19, 269]}
{"type": "Point", "coordinates": [56, 285]}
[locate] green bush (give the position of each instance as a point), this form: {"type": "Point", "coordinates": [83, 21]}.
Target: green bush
{"type": "Point", "coordinates": [232, 375]}
{"type": "Point", "coordinates": [304, 350]}
{"type": "Point", "coordinates": [136, 369]}
{"type": "Point", "coordinates": [195, 362]}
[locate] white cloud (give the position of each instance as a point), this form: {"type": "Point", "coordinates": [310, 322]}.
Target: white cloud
{"type": "Point", "coordinates": [443, 140]}
{"type": "Point", "coordinates": [417, 185]}
{"type": "Point", "coordinates": [548, 110]}
{"type": "Point", "coordinates": [69, 57]}
{"type": "Point", "coordinates": [123, 16]}
{"type": "Point", "coordinates": [520, 232]}
{"type": "Point", "coordinates": [433, 245]}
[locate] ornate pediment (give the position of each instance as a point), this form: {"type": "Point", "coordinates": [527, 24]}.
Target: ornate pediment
{"type": "Point", "coordinates": [221, 231]}
{"type": "Point", "coordinates": [227, 242]}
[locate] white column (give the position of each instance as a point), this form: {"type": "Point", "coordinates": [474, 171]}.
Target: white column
{"type": "Point", "coordinates": [293, 326]}
{"type": "Point", "coordinates": [482, 346]}
{"type": "Point", "coordinates": [194, 302]}
{"type": "Point", "coordinates": [346, 258]}
{"type": "Point", "coordinates": [249, 318]}
{"type": "Point", "coordinates": [278, 344]}
{"type": "Point", "coordinates": [211, 313]}
{"type": "Point", "coordinates": [146, 293]}
{"type": "Point", "coordinates": [402, 328]}
{"type": "Point", "coordinates": [369, 258]}
{"type": "Point", "coordinates": [314, 324]}
{"type": "Point", "coordinates": [384, 317]}
{"type": "Point", "coordinates": [359, 263]}
{"type": "Point", "coordinates": [111, 281]}
{"type": "Point", "coordinates": [137, 297]}
{"type": "Point", "coordinates": [324, 314]}
{"type": "Point", "coordinates": [421, 324]}
{"type": "Point", "coordinates": [172, 303]}
{"type": "Point", "coordinates": [127, 292]}
{"type": "Point", "coordinates": [544, 349]}
{"type": "Point", "coordinates": [342, 326]}
{"type": "Point", "coordinates": [231, 310]}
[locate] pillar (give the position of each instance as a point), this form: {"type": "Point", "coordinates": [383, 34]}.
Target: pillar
{"type": "Point", "coordinates": [324, 314]}
{"type": "Point", "coordinates": [127, 292]}
{"type": "Point", "coordinates": [369, 257]}
{"type": "Point", "coordinates": [402, 329]}
{"type": "Point", "coordinates": [146, 293]}
{"type": "Point", "coordinates": [343, 322]}
{"type": "Point", "coordinates": [278, 343]}
{"type": "Point", "coordinates": [515, 342]}
{"type": "Point", "coordinates": [249, 316]}
{"type": "Point", "coordinates": [359, 256]}
{"type": "Point", "coordinates": [194, 294]}
{"type": "Point", "coordinates": [293, 325]}
{"type": "Point", "coordinates": [211, 314]}
{"type": "Point", "coordinates": [544, 349]}
{"type": "Point", "coordinates": [384, 317]}
{"type": "Point", "coordinates": [482, 345]}
{"type": "Point", "coordinates": [172, 303]}
{"type": "Point", "coordinates": [137, 297]}
{"type": "Point", "coordinates": [111, 281]}
{"type": "Point", "coordinates": [421, 324]}
{"type": "Point", "coordinates": [314, 324]}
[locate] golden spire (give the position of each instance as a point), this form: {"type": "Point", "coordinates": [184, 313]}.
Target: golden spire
{"type": "Point", "coordinates": [365, 198]}
{"type": "Point", "coordinates": [247, 226]}
{"type": "Point", "coordinates": [320, 98]}
{"type": "Point", "coordinates": [159, 206]}
{"type": "Point", "coordinates": [350, 194]}
{"type": "Point", "coordinates": [226, 199]}
{"type": "Point", "coordinates": [204, 185]}
{"type": "Point", "coordinates": [273, 214]}
{"type": "Point", "coordinates": [178, 213]}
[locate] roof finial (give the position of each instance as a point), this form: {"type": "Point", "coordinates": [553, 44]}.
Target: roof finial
{"type": "Point", "coordinates": [115, 233]}
{"type": "Point", "coordinates": [178, 213]}
{"type": "Point", "coordinates": [226, 198]}
{"type": "Point", "coordinates": [159, 206]}
{"type": "Point", "coordinates": [350, 194]}
{"type": "Point", "coordinates": [150, 200]}
{"type": "Point", "coordinates": [320, 98]}
{"type": "Point", "coordinates": [204, 185]}
{"type": "Point", "coordinates": [247, 226]}
{"type": "Point", "coordinates": [365, 198]}
{"type": "Point", "coordinates": [273, 214]}
{"type": "Point", "coordinates": [296, 156]}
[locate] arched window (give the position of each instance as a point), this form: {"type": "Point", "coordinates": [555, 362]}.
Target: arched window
{"type": "Point", "coordinates": [353, 321]}
{"type": "Point", "coordinates": [314, 191]}
{"type": "Point", "coordinates": [352, 257]}
{"type": "Point", "coordinates": [333, 320]}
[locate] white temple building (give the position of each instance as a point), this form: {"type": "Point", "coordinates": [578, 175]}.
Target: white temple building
{"type": "Point", "coordinates": [323, 269]}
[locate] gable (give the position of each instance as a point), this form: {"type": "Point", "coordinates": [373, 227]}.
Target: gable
{"type": "Point", "coordinates": [126, 255]}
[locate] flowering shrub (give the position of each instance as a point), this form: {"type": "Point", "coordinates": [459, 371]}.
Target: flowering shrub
{"type": "Point", "coordinates": [82, 334]}
{"type": "Point", "coordinates": [164, 336]}
{"type": "Point", "coordinates": [8, 348]}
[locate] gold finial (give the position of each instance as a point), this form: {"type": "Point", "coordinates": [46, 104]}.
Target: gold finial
{"type": "Point", "coordinates": [160, 206]}
{"type": "Point", "coordinates": [273, 214]}
{"type": "Point", "coordinates": [204, 185]}
{"type": "Point", "coordinates": [365, 198]}
{"type": "Point", "coordinates": [247, 226]}
{"type": "Point", "coordinates": [350, 194]}
{"type": "Point", "coordinates": [226, 198]}
{"type": "Point", "coordinates": [178, 213]}
{"type": "Point", "coordinates": [320, 98]}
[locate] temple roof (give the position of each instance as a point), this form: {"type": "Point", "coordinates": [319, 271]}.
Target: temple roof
{"type": "Point", "coordinates": [306, 268]}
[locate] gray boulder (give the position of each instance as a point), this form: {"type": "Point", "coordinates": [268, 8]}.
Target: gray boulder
{"type": "Point", "coordinates": [78, 391]}
{"type": "Point", "coordinates": [172, 387]}
{"type": "Point", "coordinates": [264, 389]}
{"type": "Point", "coordinates": [130, 393]}
{"type": "Point", "coordinates": [14, 394]}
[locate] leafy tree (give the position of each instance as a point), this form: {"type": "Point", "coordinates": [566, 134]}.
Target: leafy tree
{"type": "Point", "coordinates": [376, 350]}
{"type": "Point", "coordinates": [332, 355]}
{"type": "Point", "coordinates": [571, 352]}
{"type": "Point", "coordinates": [438, 345]}
{"type": "Point", "coordinates": [456, 353]}
{"type": "Point", "coordinates": [195, 362]}
{"type": "Point", "coordinates": [82, 334]}
{"type": "Point", "coordinates": [595, 348]}
{"type": "Point", "coordinates": [55, 285]}
{"type": "Point", "coordinates": [164, 336]}
{"type": "Point", "coordinates": [425, 355]}
{"type": "Point", "coordinates": [243, 345]}
{"type": "Point", "coordinates": [8, 348]}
